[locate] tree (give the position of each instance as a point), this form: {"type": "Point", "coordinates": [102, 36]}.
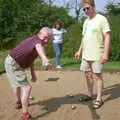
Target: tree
{"type": "Point", "coordinates": [113, 8]}
{"type": "Point", "coordinates": [20, 18]}
{"type": "Point", "coordinates": [113, 14]}
{"type": "Point", "coordinates": [73, 6]}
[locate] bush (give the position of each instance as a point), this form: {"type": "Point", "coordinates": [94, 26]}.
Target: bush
{"type": "Point", "coordinates": [22, 18]}
{"type": "Point", "coordinates": [115, 37]}
{"type": "Point", "coordinates": [72, 40]}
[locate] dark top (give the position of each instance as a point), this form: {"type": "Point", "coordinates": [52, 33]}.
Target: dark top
{"type": "Point", "coordinates": [25, 53]}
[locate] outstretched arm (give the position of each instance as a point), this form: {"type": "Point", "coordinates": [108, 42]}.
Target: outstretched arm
{"type": "Point", "coordinates": [41, 52]}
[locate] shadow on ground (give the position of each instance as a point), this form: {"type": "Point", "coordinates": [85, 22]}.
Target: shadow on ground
{"type": "Point", "coordinates": [52, 79]}
{"type": "Point", "coordinates": [112, 92]}
{"type": "Point", "coordinates": [52, 104]}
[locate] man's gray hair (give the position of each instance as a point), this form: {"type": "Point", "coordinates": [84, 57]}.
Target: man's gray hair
{"type": "Point", "coordinates": [47, 30]}
{"type": "Point", "coordinates": [91, 2]}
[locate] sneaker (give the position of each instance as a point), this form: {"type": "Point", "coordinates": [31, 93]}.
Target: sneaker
{"type": "Point", "coordinates": [25, 116]}
{"type": "Point", "coordinates": [58, 67]}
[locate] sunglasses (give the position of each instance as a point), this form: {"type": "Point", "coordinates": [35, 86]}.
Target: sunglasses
{"type": "Point", "coordinates": [86, 8]}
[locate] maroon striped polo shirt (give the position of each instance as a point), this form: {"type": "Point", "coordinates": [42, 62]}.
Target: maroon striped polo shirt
{"type": "Point", "coordinates": [25, 53]}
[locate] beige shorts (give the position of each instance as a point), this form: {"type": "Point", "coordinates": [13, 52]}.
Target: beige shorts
{"type": "Point", "coordinates": [94, 66]}
{"type": "Point", "coordinates": [16, 74]}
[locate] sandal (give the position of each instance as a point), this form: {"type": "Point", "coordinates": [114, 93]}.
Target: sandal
{"type": "Point", "coordinates": [25, 116]}
{"type": "Point", "coordinates": [97, 104]}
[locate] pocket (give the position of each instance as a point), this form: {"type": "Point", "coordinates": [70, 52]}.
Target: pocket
{"type": "Point", "coordinates": [96, 29]}
{"type": "Point", "coordinates": [14, 65]}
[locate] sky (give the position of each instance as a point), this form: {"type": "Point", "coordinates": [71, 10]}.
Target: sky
{"type": "Point", "coordinates": [100, 4]}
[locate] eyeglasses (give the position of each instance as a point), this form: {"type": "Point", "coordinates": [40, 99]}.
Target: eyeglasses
{"type": "Point", "coordinates": [86, 8]}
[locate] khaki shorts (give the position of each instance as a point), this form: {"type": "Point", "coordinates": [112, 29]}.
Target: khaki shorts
{"type": "Point", "coordinates": [16, 74]}
{"type": "Point", "coordinates": [94, 66]}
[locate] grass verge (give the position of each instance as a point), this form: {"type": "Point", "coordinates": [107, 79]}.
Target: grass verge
{"type": "Point", "coordinates": [66, 62]}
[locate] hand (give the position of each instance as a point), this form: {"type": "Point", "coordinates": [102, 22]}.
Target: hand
{"type": "Point", "coordinates": [77, 55]}
{"type": "Point", "coordinates": [104, 59]}
{"type": "Point", "coordinates": [47, 66]}
{"type": "Point", "coordinates": [45, 62]}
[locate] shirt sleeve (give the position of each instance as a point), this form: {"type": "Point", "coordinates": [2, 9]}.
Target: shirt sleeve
{"type": "Point", "coordinates": [37, 41]}
{"type": "Point", "coordinates": [105, 25]}
{"type": "Point", "coordinates": [53, 31]}
{"type": "Point", "coordinates": [64, 30]}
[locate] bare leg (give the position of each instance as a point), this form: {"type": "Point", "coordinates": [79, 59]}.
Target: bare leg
{"type": "Point", "coordinates": [25, 96]}
{"type": "Point", "coordinates": [99, 85]}
{"type": "Point", "coordinates": [17, 94]}
{"type": "Point", "coordinates": [89, 79]}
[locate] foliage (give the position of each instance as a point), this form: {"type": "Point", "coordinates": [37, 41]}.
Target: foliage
{"type": "Point", "coordinates": [3, 54]}
{"type": "Point", "coordinates": [20, 18]}
{"type": "Point", "coordinates": [72, 40]}
{"type": "Point", "coordinates": [115, 37]}
{"type": "Point", "coordinates": [113, 8]}
{"type": "Point", "coordinates": [113, 11]}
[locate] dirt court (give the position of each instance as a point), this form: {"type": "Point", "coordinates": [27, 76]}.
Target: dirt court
{"type": "Point", "coordinates": [52, 102]}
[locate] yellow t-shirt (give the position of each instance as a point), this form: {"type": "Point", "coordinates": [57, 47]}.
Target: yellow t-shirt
{"type": "Point", "coordinates": [93, 39]}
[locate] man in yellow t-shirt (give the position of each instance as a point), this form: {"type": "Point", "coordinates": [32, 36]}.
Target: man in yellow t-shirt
{"type": "Point", "coordinates": [94, 46]}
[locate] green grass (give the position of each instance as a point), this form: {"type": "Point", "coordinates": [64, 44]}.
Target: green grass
{"type": "Point", "coordinates": [72, 63]}
{"type": "Point", "coordinates": [3, 54]}
{"type": "Point", "coordinates": [112, 65]}
{"type": "Point", "coordinates": [66, 62]}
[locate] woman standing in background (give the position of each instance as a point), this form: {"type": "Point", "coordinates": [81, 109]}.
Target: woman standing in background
{"type": "Point", "coordinates": [58, 32]}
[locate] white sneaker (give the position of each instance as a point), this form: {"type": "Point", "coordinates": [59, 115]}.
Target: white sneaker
{"type": "Point", "coordinates": [58, 67]}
